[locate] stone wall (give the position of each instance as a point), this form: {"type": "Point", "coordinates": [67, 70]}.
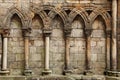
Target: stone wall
{"type": "Point", "coordinates": [77, 46]}
{"type": "Point", "coordinates": [40, 15]}
{"type": "Point", "coordinates": [57, 46]}
{"type": "Point", "coordinates": [98, 45]}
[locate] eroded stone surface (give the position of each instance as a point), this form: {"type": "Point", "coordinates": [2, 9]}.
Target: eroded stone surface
{"type": "Point", "coordinates": [34, 14]}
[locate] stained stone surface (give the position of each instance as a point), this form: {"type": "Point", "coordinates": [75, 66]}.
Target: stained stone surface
{"type": "Point", "coordinates": [57, 46]}
{"type": "Point", "coordinates": [29, 13]}
{"type": "Point", "coordinates": [77, 46]}
{"type": "Point", "coordinates": [98, 44]}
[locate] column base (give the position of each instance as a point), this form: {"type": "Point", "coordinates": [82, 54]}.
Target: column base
{"type": "Point", "coordinates": [27, 72]}
{"type": "Point", "coordinates": [88, 72]}
{"type": "Point", "coordinates": [112, 73]}
{"type": "Point", "coordinates": [4, 72]}
{"type": "Point", "coordinates": [46, 72]}
{"type": "Point", "coordinates": [67, 72]}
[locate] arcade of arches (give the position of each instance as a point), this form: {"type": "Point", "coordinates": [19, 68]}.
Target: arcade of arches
{"type": "Point", "coordinates": [78, 37]}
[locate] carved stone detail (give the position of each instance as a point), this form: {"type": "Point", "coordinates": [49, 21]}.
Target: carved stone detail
{"type": "Point", "coordinates": [6, 32]}
{"type": "Point", "coordinates": [108, 33]}
{"type": "Point", "coordinates": [47, 31]}
{"type": "Point", "coordinates": [67, 29]}
{"type": "Point", "coordinates": [26, 32]}
{"type": "Point", "coordinates": [88, 32]}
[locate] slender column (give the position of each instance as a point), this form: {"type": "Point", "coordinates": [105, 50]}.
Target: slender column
{"type": "Point", "coordinates": [26, 33]}
{"type": "Point", "coordinates": [67, 69]}
{"type": "Point", "coordinates": [47, 53]}
{"type": "Point", "coordinates": [4, 66]}
{"type": "Point", "coordinates": [88, 51]}
{"type": "Point", "coordinates": [4, 70]}
{"type": "Point", "coordinates": [108, 40]}
{"type": "Point", "coordinates": [67, 53]}
{"type": "Point", "coordinates": [67, 31]}
{"type": "Point", "coordinates": [26, 52]}
{"type": "Point", "coordinates": [47, 40]}
{"type": "Point", "coordinates": [114, 35]}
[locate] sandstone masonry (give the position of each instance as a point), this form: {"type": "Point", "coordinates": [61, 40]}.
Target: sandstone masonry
{"type": "Point", "coordinates": [76, 37]}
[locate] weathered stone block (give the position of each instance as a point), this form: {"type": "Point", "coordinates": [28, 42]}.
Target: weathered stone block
{"type": "Point", "coordinates": [77, 33]}
{"type": "Point", "coordinates": [19, 57]}
{"type": "Point", "coordinates": [32, 50]}
{"type": "Point", "coordinates": [36, 64]}
{"type": "Point", "coordinates": [94, 57]}
{"type": "Point", "coordinates": [35, 57]}
{"type": "Point", "coordinates": [98, 33]}
{"type": "Point", "coordinates": [38, 43]}
{"type": "Point", "coordinates": [57, 33]}
{"type": "Point", "coordinates": [101, 57]}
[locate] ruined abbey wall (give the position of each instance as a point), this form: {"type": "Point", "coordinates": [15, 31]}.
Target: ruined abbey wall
{"type": "Point", "coordinates": [85, 26]}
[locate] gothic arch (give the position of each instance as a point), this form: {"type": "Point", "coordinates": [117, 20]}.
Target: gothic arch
{"type": "Point", "coordinates": [104, 14]}
{"type": "Point", "coordinates": [80, 12]}
{"type": "Point", "coordinates": [56, 10]}
{"type": "Point", "coordinates": [10, 14]}
{"type": "Point", "coordinates": [42, 15]}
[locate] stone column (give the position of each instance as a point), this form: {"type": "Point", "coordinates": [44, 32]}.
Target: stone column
{"type": "Point", "coordinates": [67, 51]}
{"type": "Point", "coordinates": [113, 67]}
{"type": "Point", "coordinates": [114, 35]}
{"type": "Point", "coordinates": [47, 40]}
{"type": "Point", "coordinates": [88, 51]}
{"type": "Point", "coordinates": [108, 46]}
{"type": "Point", "coordinates": [26, 34]}
{"type": "Point", "coordinates": [5, 35]}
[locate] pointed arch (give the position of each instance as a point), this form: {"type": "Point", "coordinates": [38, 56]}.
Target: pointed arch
{"type": "Point", "coordinates": [80, 12]}
{"type": "Point", "coordinates": [10, 14]}
{"type": "Point", "coordinates": [37, 17]}
{"type": "Point", "coordinates": [42, 14]}
{"type": "Point", "coordinates": [56, 10]}
{"type": "Point", "coordinates": [104, 14]}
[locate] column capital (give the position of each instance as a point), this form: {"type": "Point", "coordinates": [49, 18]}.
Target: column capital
{"type": "Point", "coordinates": [67, 32]}
{"type": "Point", "coordinates": [108, 33]}
{"type": "Point", "coordinates": [88, 32]}
{"type": "Point", "coordinates": [26, 31]}
{"type": "Point", "coordinates": [47, 31]}
{"type": "Point", "coordinates": [5, 32]}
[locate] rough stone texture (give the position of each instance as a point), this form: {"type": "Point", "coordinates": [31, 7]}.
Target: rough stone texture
{"type": "Point", "coordinates": [57, 46]}
{"type": "Point", "coordinates": [40, 14]}
{"type": "Point", "coordinates": [15, 47]}
{"type": "Point", "coordinates": [36, 56]}
{"type": "Point", "coordinates": [77, 46]}
{"type": "Point", "coordinates": [98, 49]}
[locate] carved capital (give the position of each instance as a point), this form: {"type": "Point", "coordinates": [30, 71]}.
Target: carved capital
{"type": "Point", "coordinates": [47, 31]}
{"type": "Point", "coordinates": [108, 33]}
{"type": "Point", "coordinates": [5, 32]}
{"type": "Point", "coordinates": [26, 32]}
{"type": "Point", "coordinates": [67, 29]}
{"type": "Point", "coordinates": [88, 32]}
{"type": "Point", "coordinates": [67, 32]}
